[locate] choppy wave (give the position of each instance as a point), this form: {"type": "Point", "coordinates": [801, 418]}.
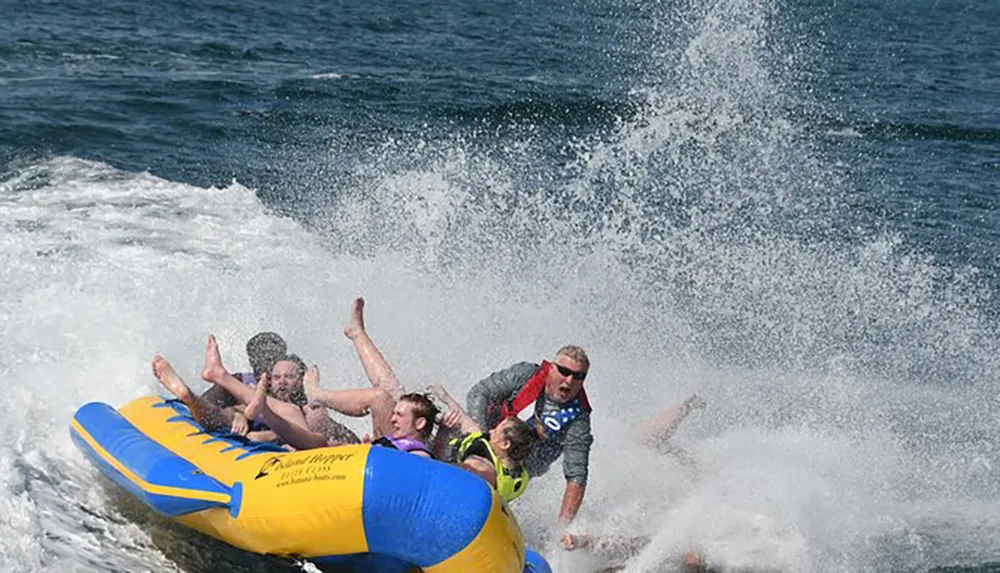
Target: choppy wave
{"type": "Point", "coordinates": [696, 239]}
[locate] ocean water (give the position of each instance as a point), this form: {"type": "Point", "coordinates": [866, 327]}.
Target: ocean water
{"type": "Point", "coordinates": [788, 207]}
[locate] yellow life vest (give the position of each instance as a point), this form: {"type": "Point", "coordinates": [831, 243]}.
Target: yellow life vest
{"type": "Point", "coordinates": [509, 485]}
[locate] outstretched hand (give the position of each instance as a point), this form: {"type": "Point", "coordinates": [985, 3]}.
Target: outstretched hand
{"type": "Point", "coordinates": [439, 392]}
{"type": "Point", "coordinates": [569, 541]}
{"type": "Point", "coordinates": [240, 426]}
{"type": "Point", "coordinates": [311, 375]}
{"type": "Point", "coordinates": [451, 420]}
{"type": "Point", "coordinates": [310, 385]}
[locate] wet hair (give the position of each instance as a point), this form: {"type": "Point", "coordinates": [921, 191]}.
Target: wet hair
{"type": "Point", "coordinates": [263, 350]}
{"type": "Point", "coordinates": [298, 396]}
{"type": "Point", "coordinates": [299, 363]}
{"type": "Point", "coordinates": [422, 408]}
{"type": "Point", "coordinates": [522, 439]}
{"type": "Point", "coordinates": [574, 352]}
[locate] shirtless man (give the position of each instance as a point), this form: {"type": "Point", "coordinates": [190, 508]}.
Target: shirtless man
{"type": "Point", "coordinates": [263, 350]}
{"type": "Point", "coordinates": [315, 424]}
{"type": "Point", "coordinates": [287, 377]}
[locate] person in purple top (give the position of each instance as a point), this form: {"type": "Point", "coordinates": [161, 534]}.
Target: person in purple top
{"type": "Point", "coordinates": [289, 418]}
{"type": "Point", "coordinates": [412, 422]}
{"type": "Point", "coordinates": [407, 428]}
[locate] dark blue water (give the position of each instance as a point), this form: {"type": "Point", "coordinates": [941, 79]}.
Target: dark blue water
{"type": "Point", "coordinates": [915, 80]}
{"type": "Point", "coordinates": [790, 207]}
{"type": "Point", "coordinates": [208, 92]}
{"type": "Point", "coordinates": [238, 83]}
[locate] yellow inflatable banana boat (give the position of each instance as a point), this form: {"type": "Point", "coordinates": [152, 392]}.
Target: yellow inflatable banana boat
{"type": "Point", "coordinates": [360, 507]}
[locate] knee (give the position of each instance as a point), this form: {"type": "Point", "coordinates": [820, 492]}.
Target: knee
{"type": "Point", "coordinates": [382, 399]}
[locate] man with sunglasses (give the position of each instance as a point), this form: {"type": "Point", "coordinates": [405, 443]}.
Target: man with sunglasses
{"type": "Point", "coordinates": [561, 415]}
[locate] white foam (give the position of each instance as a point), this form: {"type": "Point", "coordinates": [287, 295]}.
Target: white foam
{"type": "Point", "coordinates": [849, 377]}
{"type": "Point", "coordinates": [330, 76]}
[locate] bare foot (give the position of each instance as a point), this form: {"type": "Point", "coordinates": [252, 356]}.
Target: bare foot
{"type": "Point", "coordinates": [695, 402]}
{"type": "Point", "coordinates": [310, 384]}
{"type": "Point", "coordinates": [213, 370]}
{"type": "Point", "coordinates": [167, 376]}
{"type": "Point", "coordinates": [356, 326]}
{"type": "Point", "coordinates": [693, 561]}
{"type": "Point", "coordinates": [259, 401]}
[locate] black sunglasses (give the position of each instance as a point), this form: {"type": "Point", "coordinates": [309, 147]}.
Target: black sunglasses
{"type": "Point", "coordinates": [567, 372]}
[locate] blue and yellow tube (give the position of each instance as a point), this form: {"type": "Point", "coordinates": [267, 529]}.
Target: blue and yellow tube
{"type": "Point", "coordinates": [348, 505]}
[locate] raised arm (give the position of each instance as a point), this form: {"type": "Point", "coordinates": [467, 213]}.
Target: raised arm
{"type": "Point", "coordinates": [461, 419]}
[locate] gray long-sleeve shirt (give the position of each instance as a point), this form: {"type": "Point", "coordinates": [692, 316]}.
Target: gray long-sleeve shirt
{"type": "Point", "coordinates": [573, 443]}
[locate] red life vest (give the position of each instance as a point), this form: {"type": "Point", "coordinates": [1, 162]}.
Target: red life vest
{"type": "Point", "coordinates": [534, 392]}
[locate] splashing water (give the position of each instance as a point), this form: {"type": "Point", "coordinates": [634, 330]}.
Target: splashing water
{"type": "Point", "coordinates": [703, 245]}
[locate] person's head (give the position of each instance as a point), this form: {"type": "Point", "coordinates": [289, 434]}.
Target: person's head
{"type": "Point", "coordinates": [513, 438]}
{"type": "Point", "coordinates": [286, 379]}
{"type": "Point", "coordinates": [263, 350]}
{"type": "Point", "coordinates": [565, 379]}
{"type": "Point", "coordinates": [413, 417]}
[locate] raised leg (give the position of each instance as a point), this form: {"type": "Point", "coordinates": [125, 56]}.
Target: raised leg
{"type": "Point", "coordinates": [207, 413]}
{"type": "Point", "coordinates": [662, 426]}
{"type": "Point", "coordinates": [216, 373]}
{"type": "Point", "coordinates": [376, 367]}
{"type": "Point", "coordinates": [466, 424]}
{"type": "Point", "coordinates": [359, 402]}
{"type": "Point", "coordinates": [336, 433]}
